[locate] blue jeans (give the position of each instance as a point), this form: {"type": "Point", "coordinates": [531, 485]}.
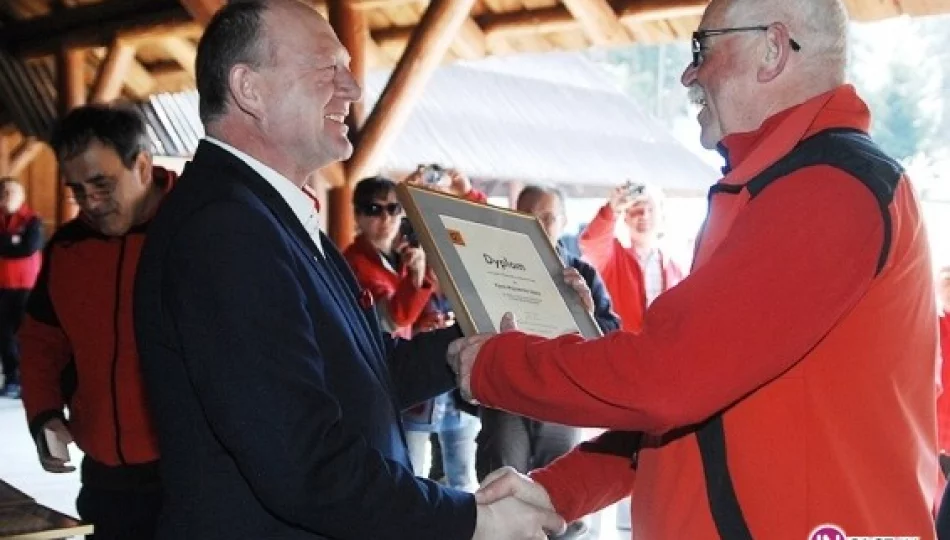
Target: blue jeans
{"type": "Point", "coordinates": [458, 451]}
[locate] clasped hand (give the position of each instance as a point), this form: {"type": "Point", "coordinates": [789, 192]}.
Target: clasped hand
{"type": "Point", "coordinates": [511, 506]}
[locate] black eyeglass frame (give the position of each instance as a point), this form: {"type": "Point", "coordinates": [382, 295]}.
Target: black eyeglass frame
{"type": "Point", "coordinates": [700, 35]}
{"type": "Point", "coordinates": [377, 209]}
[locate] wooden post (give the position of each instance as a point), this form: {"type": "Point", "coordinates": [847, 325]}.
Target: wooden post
{"type": "Point", "coordinates": [431, 39]}
{"type": "Point", "coordinates": [112, 72]}
{"type": "Point", "coordinates": [350, 26]}
{"type": "Point", "coordinates": [183, 51]}
{"type": "Point", "coordinates": [599, 21]}
{"type": "Point", "coordinates": [4, 155]}
{"type": "Point", "coordinates": [70, 65]}
{"type": "Point", "coordinates": [24, 155]}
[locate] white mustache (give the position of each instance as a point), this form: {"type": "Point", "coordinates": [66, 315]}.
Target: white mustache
{"type": "Point", "coordinates": [696, 95]}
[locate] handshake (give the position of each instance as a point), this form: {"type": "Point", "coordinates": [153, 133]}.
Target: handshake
{"type": "Point", "coordinates": [511, 506]}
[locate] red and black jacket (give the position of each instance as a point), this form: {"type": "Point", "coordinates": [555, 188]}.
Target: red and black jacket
{"type": "Point", "coordinates": [78, 343]}
{"type": "Point", "coordinates": [21, 242]}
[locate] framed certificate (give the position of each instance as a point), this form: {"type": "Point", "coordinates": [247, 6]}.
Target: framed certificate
{"type": "Point", "coordinates": [490, 261]}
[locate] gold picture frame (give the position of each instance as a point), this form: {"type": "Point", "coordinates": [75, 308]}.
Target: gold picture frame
{"type": "Point", "coordinates": [438, 218]}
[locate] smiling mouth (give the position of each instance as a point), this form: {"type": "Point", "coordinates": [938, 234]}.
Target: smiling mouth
{"type": "Point", "coordinates": [338, 118]}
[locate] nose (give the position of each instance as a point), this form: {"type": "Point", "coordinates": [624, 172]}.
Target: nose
{"type": "Point", "coordinates": [91, 206]}
{"type": "Point", "coordinates": [347, 87]}
{"type": "Point", "coordinates": [689, 75]}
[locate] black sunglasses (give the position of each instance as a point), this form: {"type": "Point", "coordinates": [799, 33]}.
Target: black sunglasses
{"type": "Point", "coordinates": [701, 35]}
{"type": "Point", "coordinates": [376, 209]}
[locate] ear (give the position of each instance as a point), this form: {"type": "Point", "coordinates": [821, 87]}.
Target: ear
{"type": "Point", "coordinates": [244, 85]}
{"type": "Point", "coordinates": [778, 48]}
{"type": "Point", "coordinates": [143, 166]}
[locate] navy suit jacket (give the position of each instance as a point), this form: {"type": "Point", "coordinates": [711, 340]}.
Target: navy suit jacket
{"type": "Point", "coordinates": [275, 393]}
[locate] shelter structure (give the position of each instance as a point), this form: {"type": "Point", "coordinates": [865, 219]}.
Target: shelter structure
{"type": "Point", "coordinates": [59, 54]}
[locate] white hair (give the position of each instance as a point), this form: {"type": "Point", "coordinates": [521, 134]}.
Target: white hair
{"type": "Point", "coordinates": [820, 27]}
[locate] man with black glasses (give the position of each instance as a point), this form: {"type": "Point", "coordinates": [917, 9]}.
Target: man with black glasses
{"type": "Point", "coordinates": [785, 389]}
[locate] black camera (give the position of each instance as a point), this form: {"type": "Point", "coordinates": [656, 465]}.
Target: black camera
{"type": "Point", "coordinates": [407, 232]}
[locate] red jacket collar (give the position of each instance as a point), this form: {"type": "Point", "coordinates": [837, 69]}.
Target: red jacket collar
{"type": "Point", "coordinates": [838, 108]}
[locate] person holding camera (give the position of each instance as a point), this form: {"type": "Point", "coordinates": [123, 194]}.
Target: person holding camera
{"type": "Point", "coordinates": [388, 262]}
{"type": "Point", "coordinates": [450, 181]}
{"type": "Point", "coordinates": [637, 274]}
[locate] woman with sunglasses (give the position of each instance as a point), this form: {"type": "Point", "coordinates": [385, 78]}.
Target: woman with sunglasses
{"type": "Point", "coordinates": [393, 269]}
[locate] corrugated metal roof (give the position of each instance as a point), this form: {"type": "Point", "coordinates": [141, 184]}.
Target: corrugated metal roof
{"type": "Point", "coordinates": [28, 94]}
{"type": "Point", "coordinates": [28, 99]}
{"type": "Point", "coordinates": [553, 117]}
{"type": "Point", "coordinates": [173, 123]}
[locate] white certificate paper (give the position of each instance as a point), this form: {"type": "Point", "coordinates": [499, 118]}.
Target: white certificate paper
{"type": "Point", "coordinates": [509, 275]}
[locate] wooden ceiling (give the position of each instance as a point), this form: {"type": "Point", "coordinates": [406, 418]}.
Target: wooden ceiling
{"type": "Point", "coordinates": [153, 41]}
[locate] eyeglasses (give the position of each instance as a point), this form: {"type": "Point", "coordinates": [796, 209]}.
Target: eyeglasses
{"type": "Point", "coordinates": [376, 209]}
{"type": "Point", "coordinates": [99, 192]}
{"type": "Point", "coordinates": [701, 35]}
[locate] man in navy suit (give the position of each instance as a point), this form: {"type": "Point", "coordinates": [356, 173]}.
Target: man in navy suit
{"type": "Point", "coordinates": [275, 395]}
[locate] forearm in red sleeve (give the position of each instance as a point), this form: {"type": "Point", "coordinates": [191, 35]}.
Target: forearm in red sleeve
{"type": "Point", "coordinates": [475, 195]}
{"type": "Point", "coordinates": [403, 301]}
{"type": "Point", "coordinates": [592, 476]}
{"type": "Point", "coordinates": [45, 353]}
{"type": "Point", "coordinates": [407, 302]}
{"type": "Point", "coordinates": [597, 242]}
{"type": "Point", "coordinates": [797, 259]}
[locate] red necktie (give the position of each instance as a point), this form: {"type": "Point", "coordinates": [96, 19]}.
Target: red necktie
{"type": "Point", "coordinates": [309, 192]}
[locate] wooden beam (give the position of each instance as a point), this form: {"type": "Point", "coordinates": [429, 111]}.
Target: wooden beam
{"type": "Point", "coordinates": [71, 76]}
{"type": "Point", "coordinates": [139, 82]}
{"type": "Point", "coordinates": [560, 18]}
{"type": "Point", "coordinates": [653, 10]}
{"type": "Point", "coordinates": [377, 4]}
{"type": "Point", "coordinates": [202, 10]}
{"type": "Point", "coordinates": [4, 156]}
{"type": "Point", "coordinates": [112, 72]}
{"type": "Point", "coordinates": [599, 21]}
{"type": "Point", "coordinates": [70, 67]}
{"type": "Point", "coordinates": [430, 41]}
{"type": "Point", "coordinates": [24, 155]}
{"type": "Point", "coordinates": [528, 21]}
{"type": "Point", "coordinates": [471, 42]}
{"type": "Point", "coordinates": [93, 25]}
{"type": "Point", "coordinates": [182, 51]}
{"type": "Point", "coordinates": [158, 32]}
{"type": "Point", "coordinates": [350, 26]}
{"type": "Point", "coordinates": [334, 177]}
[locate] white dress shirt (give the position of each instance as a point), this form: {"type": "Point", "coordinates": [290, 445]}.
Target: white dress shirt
{"type": "Point", "coordinates": [299, 202]}
{"type": "Point", "coordinates": [652, 270]}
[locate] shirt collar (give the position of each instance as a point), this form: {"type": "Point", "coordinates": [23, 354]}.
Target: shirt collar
{"type": "Point", "coordinates": [300, 203]}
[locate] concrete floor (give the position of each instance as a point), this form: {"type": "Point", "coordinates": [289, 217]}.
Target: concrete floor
{"type": "Point", "coordinates": [19, 467]}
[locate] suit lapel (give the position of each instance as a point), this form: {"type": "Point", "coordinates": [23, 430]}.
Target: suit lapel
{"type": "Point", "coordinates": [212, 157]}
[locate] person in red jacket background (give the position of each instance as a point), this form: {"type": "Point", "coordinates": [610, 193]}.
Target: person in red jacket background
{"type": "Point", "coordinates": [389, 263]}
{"type": "Point", "coordinates": [637, 274]}
{"type": "Point", "coordinates": [79, 348]}
{"type": "Point", "coordinates": [21, 242]}
{"type": "Point", "coordinates": [943, 400]}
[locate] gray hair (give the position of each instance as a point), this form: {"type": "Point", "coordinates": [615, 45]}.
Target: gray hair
{"type": "Point", "coordinates": [819, 26]}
